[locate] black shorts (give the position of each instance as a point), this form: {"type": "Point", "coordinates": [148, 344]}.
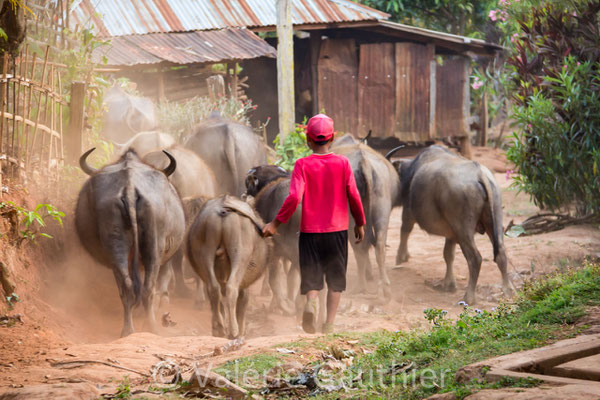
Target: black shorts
{"type": "Point", "coordinates": [323, 254]}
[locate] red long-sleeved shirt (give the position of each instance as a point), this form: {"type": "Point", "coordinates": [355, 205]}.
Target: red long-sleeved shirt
{"type": "Point", "coordinates": [325, 184]}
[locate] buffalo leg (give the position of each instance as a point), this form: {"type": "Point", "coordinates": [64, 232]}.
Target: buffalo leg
{"type": "Point", "coordinates": [507, 285]}
{"type": "Point", "coordinates": [214, 294]}
{"type": "Point", "coordinates": [473, 257]}
{"type": "Point", "coordinates": [449, 283]}
{"type": "Point", "coordinates": [363, 264]}
{"type": "Point", "coordinates": [181, 289]}
{"type": "Point", "coordinates": [242, 307]}
{"type": "Point", "coordinates": [148, 296]}
{"type": "Point", "coordinates": [381, 228]}
{"type": "Point", "coordinates": [280, 299]}
{"type": "Point", "coordinates": [408, 222]}
{"type": "Point", "coordinates": [165, 276]}
{"type": "Point", "coordinates": [128, 300]}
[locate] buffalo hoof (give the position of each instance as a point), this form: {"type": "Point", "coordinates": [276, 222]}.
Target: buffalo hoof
{"type": "Point", "coordinates": [219, 332]}
{"type": "Point", "coordinates": [508, 291]}
{"type": "Point", "coordinates": [402, 258]}
{"type": "Point", "coordinates": [470, 299]}
{"type": "Point", "coordinates": [442, 286]}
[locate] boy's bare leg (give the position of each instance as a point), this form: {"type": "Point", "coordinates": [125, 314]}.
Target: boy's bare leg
{"type": "Point", "coordinates": [333, 301]}
{"type": "Point", "coordinates": [309, 317]}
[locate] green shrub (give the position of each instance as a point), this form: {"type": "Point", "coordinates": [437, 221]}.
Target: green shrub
{"type": "Point", "coordinates": [556, 148]}
{"type": "Point", "coordinates": [293, 147]}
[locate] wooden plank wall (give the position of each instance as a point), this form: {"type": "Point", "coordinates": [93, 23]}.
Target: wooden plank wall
{"type": "Point", "coordinates": [376, 90]}
{"type": "Point", "coordinates": [451, 96]}
{"type": "Point", "coordinates": [337, 92]}
{"type": "Point", "coordinates": [413, 91]}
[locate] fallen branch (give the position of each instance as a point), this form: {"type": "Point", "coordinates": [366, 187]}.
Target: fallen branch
{"type": "Point", "coordinates": [550, 222]}
{"type": "Point", "coordinates": [80, 363]}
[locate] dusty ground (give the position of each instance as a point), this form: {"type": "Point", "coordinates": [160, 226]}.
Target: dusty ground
{"type": "Point", "coordinates": [74, 312]}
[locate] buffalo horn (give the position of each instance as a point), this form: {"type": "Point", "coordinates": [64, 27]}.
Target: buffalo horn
{"type": "Point", "coordinates": [364, 140]}
{"type": "Point", "coordinates": [172, 165]}
{"type": "Point", "coordinates": [391, 152]}
{"type": "Point", "coordinates": [84, 165]}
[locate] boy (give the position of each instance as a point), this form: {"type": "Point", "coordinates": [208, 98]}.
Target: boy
{"type": "Point", "coordinates": [324, 182]}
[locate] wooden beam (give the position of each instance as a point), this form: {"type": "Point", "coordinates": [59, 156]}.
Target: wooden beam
{"type": "Point", "coordinates": [484, 120]}
{"type": "Point", "coordinates": [315, 47]}
{"type": "Point", "coordinates": [432, 89]}
{"type": "Point", "coordinates": [74, 139]}
{"type": "Point", "coordinates": [285, 68]}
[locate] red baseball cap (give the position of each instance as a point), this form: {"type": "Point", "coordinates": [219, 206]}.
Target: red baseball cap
{"type": "Point", "coordinates": [320, 128]}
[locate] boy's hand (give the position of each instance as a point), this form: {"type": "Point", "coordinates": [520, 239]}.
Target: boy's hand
{"type": "Point", "coordinates": [359, 233]}
{"type": "Point", "coordinates": [271, 228]}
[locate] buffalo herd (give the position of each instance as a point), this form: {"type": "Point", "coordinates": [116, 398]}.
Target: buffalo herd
{"type": "Point", "coordinates": [162, 205]}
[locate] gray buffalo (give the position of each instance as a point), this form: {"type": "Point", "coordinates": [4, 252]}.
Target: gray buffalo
{"type": "Point", "coordinates": [379, 188]}
{"type": "Point", "coordinates": [126, 115]}
{"type": "Point", "coordinates": [228, 252]}
{"type": "Point", "coordinates": [452, 197]}
{"type": "Point", "coordinates": [193, 178]}
{"type": "Point", "coordinates": [128, 212]}
{"type": "Point", "coordinates": [230, 149]}
{"type": "Point", "coordinates": [270, 185]}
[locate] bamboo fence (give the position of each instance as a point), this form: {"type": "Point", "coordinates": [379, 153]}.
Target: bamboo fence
{"type": "Point", "coordinates": [31, 117]}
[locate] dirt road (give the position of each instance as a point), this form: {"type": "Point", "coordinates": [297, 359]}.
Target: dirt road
{"type": "Point", "coordinates": [76, 312]}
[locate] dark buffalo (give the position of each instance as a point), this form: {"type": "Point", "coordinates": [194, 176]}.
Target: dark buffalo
{"type": "Point", "coordinates": [129, 212]}
{"type": "Point", "coordinates": [230, 149]}
{"type": "Point", "coordinates": [452, 197]}
{"type": "Point", "coordinates": [227, 250]}
{"type": "Point", "coordinates": [379, 189]}
{"type": "Point", "coordinates": [192, 178]}
{"type": "Point", "coordinates": [270, 185]}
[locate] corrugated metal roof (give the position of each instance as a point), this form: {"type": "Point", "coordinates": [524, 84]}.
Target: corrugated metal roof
{"type": "Point", "coordinates": [184, 48]}
{"type": "Point", "coordinates": [128, 17]}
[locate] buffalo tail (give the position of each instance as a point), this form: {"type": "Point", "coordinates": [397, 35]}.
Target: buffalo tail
{"type": "Point", "coordinates": [494, 210]}
{"type": "Point", "coordinates": [131, 197]}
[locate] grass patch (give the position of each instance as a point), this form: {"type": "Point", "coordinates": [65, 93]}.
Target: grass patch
{"type": "Point", "coordinates": [421, 362]}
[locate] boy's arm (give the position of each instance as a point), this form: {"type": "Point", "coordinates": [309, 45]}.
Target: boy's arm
{"type": "Point", "coordinates": [356, 206]}
{"type": "Point", "coordinates": [290, 204]}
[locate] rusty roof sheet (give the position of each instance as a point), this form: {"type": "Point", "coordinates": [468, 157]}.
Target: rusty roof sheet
{"type": "Point", "coordinates": [184, 48]}
{"type": "Point", "coordinates": [111, 18]}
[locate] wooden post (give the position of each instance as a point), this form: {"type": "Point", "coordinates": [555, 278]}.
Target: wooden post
{"type": "Point", "coordinates": [484, 120]}
{"type": "Point", "coordinates": [234, 82]}
{"type": "Point", "coordinates": [432, 89]}
{"type": "Point", "coordinates": [74, 137]}
{"type": "Point", "coordinates": [161, 88]}
{"type": "Point", "coordinates": [285, 68]}
{"type": "Point", "coordinates": [465, 141]}
{"type": "Point", "coordinates": [216, 87]}
{"type": "Point", "coordinates": [315, 47]}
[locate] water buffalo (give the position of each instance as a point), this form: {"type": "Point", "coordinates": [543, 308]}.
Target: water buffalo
{"type": "Point", "coordinates": [228, 252]}
{"type": "Point", "coordinates": [229, 149]}
{"type": "Point", "coordinates": [379, 189]}
{"type": "Point", "coordinates": [126, 115]}
{"type": "Point", "coordinates": [192, 178]}
{"type": "Point", "coordinates": [270, 185]}
{"type": "Point", "coordinates": [452, 197]}
{"type": "Point", "coordinates": [129, 212]}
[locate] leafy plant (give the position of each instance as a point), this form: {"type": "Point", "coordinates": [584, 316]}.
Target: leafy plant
{"type": "Point", "coordinates": [293, 147]}
{"type": "Point", "coordinates": [556, 65]}
{"type": "Point", "coordinates": [33, 220]}
{"type": "Point", "coordinates": [12, 299]}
